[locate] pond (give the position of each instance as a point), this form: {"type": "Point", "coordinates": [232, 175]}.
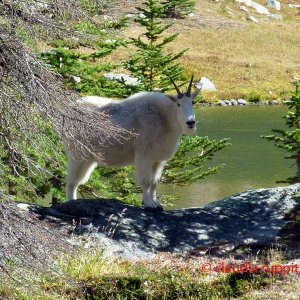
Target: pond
{"type": "Point", "coordinates": [250, 162]}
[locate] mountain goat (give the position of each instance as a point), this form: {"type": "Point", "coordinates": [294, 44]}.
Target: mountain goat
{"type": "Point", "coordinates": [158, 122]}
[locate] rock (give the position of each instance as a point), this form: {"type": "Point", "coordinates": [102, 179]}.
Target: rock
{"type": "Point", "coordinates": [259, 8]}
{"type": "Point", "coordinates": [109, 41]}
{"type": "Point", "coordinates": [122, 77]}
{"type": "Point", "coordinates": [286, 102]}
{"type": "Point", "coordinates": [294, 6]}
{"type": "Point", "coordinates": [76, 79]}
{"type": "Point", "coordinates": [274, 4]}
{"type": "Point", "coordinates": [191, 15]}
{"type": "Point", "coordinates": [24, 206]}
{"type": "Point", "coordinates": [234, 102]}
{"type": "Point", "coordinates": [107, 18]}
{"type": "Point", "coordinates": [252, 19]}
{"type": "Point", "coordinates": [274, 102]}
{"type": "Point", "coordinates": [275, 17]}
{"type": "Point", "coordinates": [242, 102]}
{"type": "Point", "coordinates": [252, 218]}
{"type": "Point", "coordinates": [228, 102]}
{"type": "Point", "coordinates": [229, 11]}
{"type": "Point", "coordinates": [206, 84]}
{"type": "Point", "coordinates": [244, 8]}
{"type": "Point", "coordinates": [256, 215]}
{"type": "Point", "coordinates": [222, 103]}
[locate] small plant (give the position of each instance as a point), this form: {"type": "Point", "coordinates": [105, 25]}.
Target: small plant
{"type": "Point", "coordinates": [254, 97]}
{"type": "Point", "coordinates": [289, 140]}
{"type": "Point", "coordinates": [178, 8]}
{"type": "Point", "coordinates": [150, 64]}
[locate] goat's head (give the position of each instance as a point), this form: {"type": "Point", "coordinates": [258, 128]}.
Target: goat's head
{"type": "Point", "coordinates": [185, 108]}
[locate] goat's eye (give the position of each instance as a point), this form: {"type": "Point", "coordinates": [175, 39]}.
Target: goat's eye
{"type": "Point", "coordinates": [178, 104]}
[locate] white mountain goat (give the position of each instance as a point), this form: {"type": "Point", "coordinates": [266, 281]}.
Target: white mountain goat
{"type": "Point", "coordinates": [158, 122]}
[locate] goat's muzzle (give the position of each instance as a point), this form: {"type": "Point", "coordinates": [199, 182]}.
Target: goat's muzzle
{"type": "Point", "coordinates": [191, 124]}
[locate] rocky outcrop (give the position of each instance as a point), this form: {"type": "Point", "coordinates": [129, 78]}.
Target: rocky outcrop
{"type": "Point", "coordinates": [259, 8]}
{"type": "Point", "coordinates": [252, 217]}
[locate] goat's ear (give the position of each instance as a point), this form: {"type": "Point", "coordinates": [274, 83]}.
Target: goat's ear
{"type": "Point", "coordinates": [173, 98]}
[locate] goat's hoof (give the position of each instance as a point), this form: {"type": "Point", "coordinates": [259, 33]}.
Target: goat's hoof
{"type": "Point", "coordinates": [154, 209]}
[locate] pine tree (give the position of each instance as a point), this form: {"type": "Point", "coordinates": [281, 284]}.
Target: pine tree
{"type": "Point", "coordinates": [178, 8]}
{"type": "Point", "coordinates": [290, 139]}
{"type": "Point", "coordinates": [151, 65]}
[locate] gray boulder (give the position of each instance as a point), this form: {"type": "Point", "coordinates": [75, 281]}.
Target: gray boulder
{"type": "Point", "coordinates": [274, 4]}
{"type": "Point", "coordinates": [206, 84]}
{"type": "Point", "coordinates": [242, 102]}
{"type": "Point", "coordinates": [255, 217]}
{"type": "Point", "coordinates": [252, 19]}
{"type": "Point", "coordinates": [259, 8]}
{"type": "Point", "coordinates": [222, 103]}
{"type": "Point", "coordinates": [294, 6]}
{"type": "Point", "coordinates": [129, 80]}
{"type": "Point", "coordinates": [228, 102]}
{"type": "Point", "coordinates": [275, 17]}
{"type": "Point", "coordinates": [234, 102]}
{"type": "Point", "coordinates": [274, 102]}
{"type": "Point", "coordinates": [244, 8]}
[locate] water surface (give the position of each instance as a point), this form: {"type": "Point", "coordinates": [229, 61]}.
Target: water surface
{"type": "Point", "coordinates": [250, 162]}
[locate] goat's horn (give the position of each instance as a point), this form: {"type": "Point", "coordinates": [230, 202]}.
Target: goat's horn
{"type": "Point", "coordinates": [176, 88]}
{"type": "Point", "coordinates": [189, 91]}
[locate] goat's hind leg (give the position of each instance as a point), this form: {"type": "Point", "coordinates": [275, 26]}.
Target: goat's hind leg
{"type": "Point", "coordinates": [79, 172]}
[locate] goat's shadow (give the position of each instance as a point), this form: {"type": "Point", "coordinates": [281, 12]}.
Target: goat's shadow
{"type": "Point", "coordinates": [250, 216]}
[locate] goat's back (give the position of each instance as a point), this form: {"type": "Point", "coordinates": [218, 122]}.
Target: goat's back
{"type": "Point", "coordinates": [146, 116]}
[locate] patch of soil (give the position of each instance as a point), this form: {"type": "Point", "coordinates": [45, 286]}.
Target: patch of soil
{"type": "Point", "coordinates": [196, 21]}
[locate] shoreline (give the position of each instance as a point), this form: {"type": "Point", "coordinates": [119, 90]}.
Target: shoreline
{"type": "Point", "coordinates": [242, 102]}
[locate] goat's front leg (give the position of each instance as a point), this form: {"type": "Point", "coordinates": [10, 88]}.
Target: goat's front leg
{"type": "Point", "coordinates": [157, 169]}
{"type": "Point", "coordinates": [144, 177]}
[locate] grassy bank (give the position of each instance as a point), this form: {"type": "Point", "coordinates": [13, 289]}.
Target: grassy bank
{"type": "Point", "coordinates": [243, 59]}
{"type": "Point", "coordinates": [91, 275]}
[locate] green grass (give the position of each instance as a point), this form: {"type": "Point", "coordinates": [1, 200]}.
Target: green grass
{"type": "Point", "coordinates": [91, 275]}
{"type": "Point", "coordinates": [247, 58]}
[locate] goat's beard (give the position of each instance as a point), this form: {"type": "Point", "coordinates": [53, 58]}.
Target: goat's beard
{"type": "Point", "coordinates": [190, 131]}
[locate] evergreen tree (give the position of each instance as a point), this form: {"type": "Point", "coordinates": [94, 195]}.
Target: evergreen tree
{"type": "Point", "coordinates": [178, 8]}
{"type": "Point", "coordinates": [290, 139]}
{"type": "Point", "coordinates": [35, 107]}
{"type": "Point", "coordinates": [153, 68]}
{"type": "Point", "coordinates": [151, 65]}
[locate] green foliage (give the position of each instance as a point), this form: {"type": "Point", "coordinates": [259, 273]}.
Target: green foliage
{"type": "Point", "coordinates": [188, 163]}
{"type": "Point", "coordinates": [178, 8]}
{"type": "Point", "coordinates": [254, 97]}
{"type": "Point", "coordinates": [150, 64]}
{"type": "Point", "coordinates": [94, 7]}
{"type": "Point", "coordinates": [91, 275]}
{"type": "Point", "coordinates": [289, 140]}
{"type": "Point", "coordinates": [84, 73]}
{"type": "Point", "coordinates": [32, 175]}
